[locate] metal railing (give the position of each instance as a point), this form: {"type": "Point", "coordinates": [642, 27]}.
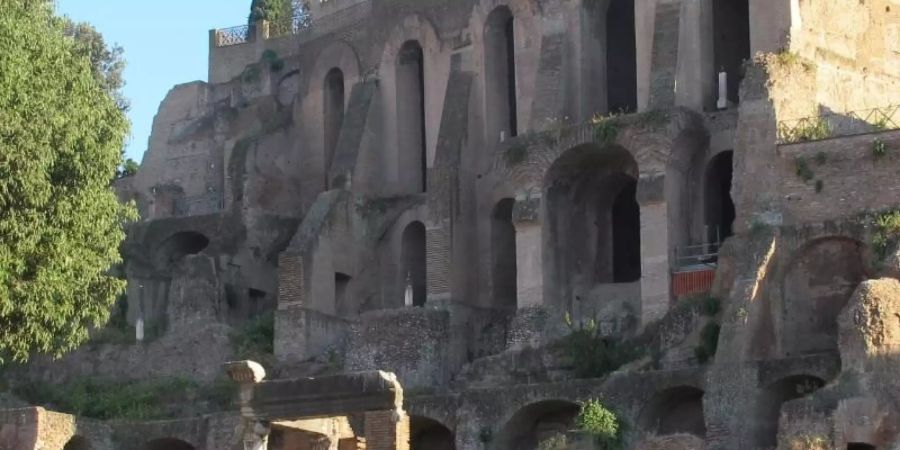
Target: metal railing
{"type": "Point", "coordinates": [697, 257]}
{"type": "Point", "coordinates": [833, 124]}
{"type": "Point", "coordinates": [227, 37]}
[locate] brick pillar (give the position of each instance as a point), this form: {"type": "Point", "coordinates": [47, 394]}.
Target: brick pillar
{"type": "Point", "coordinates": [654, 261]}
{"type": "Point", "coordinates": [387, 430]}
{"type": "Point", "coordinates": [529, 251]}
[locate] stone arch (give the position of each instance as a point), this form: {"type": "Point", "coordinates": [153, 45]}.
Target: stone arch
{"type": "Point", "coordinates": [409, 147]}
{"type": "Point", "coordinates": [77, 443]}
{"type": "Point", "coordinates": [592, 226]}
{"type": "Point", "coordinates": [819, 280]}
{"type": "Point", "coordinates": [333, 104]}
{"type": "Point", "coordinates": [167, 444]}
{"type": "Point", "coordinates": [536, 422]}
{"type": "Point", "coordinates": [179, 245]}
{"type": "Point", "coordinates": [429, 434]}
{"type": "Point", "coordinates": [770, 400]}
{"type": "Point", "coordinates": [500, 72]}
{"type": "Point", "coordinates": [339, 56]}
{"type": "Point", "coordinates": [414, 258]}
{"type": "Point", "coordinates": [675, 410]}
{"type": "Point", "coordinates": [731, 41]}
{"type": "Point", "coordinates": [503, 255]}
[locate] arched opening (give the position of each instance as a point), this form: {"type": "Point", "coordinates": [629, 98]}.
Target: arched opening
{"type": "Point", "coordinates": [536, 423]}
{"type": "Point", "coordinates": [818, 283]}
{"type": "Point", "coordinates": [768, 409]}
{"type": "Point", "coordinates": [731, 43]}
{"type": "Point", "coordinates": [411, 117]}
{"type": "Point", "coordinates": [593, 219]}
{"type": "Point", "coordinates": [167, 444]}
{"type": "Point", "coordinates": [675, 410]}
{"type": "Point", "coordinates": [427, 434]}
{"type": "Point", "coordinates": [860, 446]}
{"type": "Point", "coordinates": [414, 262]}
{"type": "Point", "coordinates": [503, 255]}
{"type": "Point", "coordinates": [621, 57]}
{"type": "Point", "coordinates": [333, 107]}
{"type": "Point", "coordinates": [291, 439]}
{"type": "Point", "coordinates": [500, 73]}
{"type": "Point", "coordinates": [719, 207]}
{"type": "Point", "coordinates": [180, 245]}
{"type": "Point", "coordinates": [77, 443]}
{"type": "Point", "coordinates": [341, 282]}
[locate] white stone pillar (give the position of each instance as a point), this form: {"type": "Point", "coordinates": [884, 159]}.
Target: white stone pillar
{"type": "Point", "coordinates": [529, 251]}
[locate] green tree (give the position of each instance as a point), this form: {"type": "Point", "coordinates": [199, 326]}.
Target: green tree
{"type": "Point", "coordinates": [129, 167]}
{"type": "Point", "coordinates": [107, 62]}
{"type": "Point", "coordinates": [61, 224]}
{"type": "Point", "coordinates": [277, 10]}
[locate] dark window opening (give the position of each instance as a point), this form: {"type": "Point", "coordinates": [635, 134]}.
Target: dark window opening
{"type": "Point", "coordinates": [180, 245]}
{"type": "Point", "coordinates": [500, 74]}
{"type": "Point", "coordinates": [673, 411]}
{"type": "Point", "coordinates": [860, 446]}
{"type": "Point", "coordinates": [626, 235]}
{"type": "Point", "coordinates": [427, 434]}
{"type": "Point", "coordinates": [411, 114]}
{"type": "Point", "coordinates": [334, 115]}
{"type": "Point", "coordinates": [621, 57]}
{"type": "Point", "coordinates": [414, 262]}
{"type": "Point", "coordinates": [720, 211]}
{"type": "Point", "coordinates": [731, 43]}
{"type": "Point", "coordinates": [503, 243]}
{"type": "Point", "coordinates": [341, 281]}
{"type": "Point", "coordinates": [77, 443]}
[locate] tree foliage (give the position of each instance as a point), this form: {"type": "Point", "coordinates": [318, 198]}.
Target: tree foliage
{"type": "Point", "coordinates": [61, 224]}
{"type": "Point", "coordinates": [107, 62]}
{"type": "Point", "coordinates": [275, 10]}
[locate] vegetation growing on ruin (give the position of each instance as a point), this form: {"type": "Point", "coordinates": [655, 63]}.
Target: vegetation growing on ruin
{"type": "Point", "coordinates": [271, 58]}
{"type": "Point", "coordinates": [803, 170]}
{"type": "Point", "coordinates": [709, 342]}
{"type": "Point", "coordinates": [804, 130]}
{"type": "Point", "coordinates": [558, 441]}
{"type": "Point", "coordinates": [602, 424]}
{"type": "Point", "coordinates": [255, 339]}
{"type": "Point", "coordinates": [515, 154]}
{"type": "Point", "coordinates": [594, 355]}
{"type": "Point", "coordinates": [60, 223]}
{"type": "Point", "coordinates": [145, 400]}
{"type": "Point", "coordinates": [606, 129]}
{"type": "Point", "coordinates": [879, 148]}
{"type": "Point", "coordinates": [886, 234]}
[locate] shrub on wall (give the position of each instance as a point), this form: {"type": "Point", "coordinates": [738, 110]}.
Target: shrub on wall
{"type": "Point", "coordinates": [594, 355]}
{"type": "Point", "coordinates": [601, 423]}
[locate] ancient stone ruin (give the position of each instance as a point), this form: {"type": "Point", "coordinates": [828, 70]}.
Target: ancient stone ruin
{"type": "Point", "coordinates": [465, 218]}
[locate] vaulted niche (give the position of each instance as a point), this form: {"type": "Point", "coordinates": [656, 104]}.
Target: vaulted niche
{"type": "Point", "coordinates": [719, 207]}
{"type": "Point", "coordinates": [427, 434]}
{"type": "Point", "coordinates": [333, 108]}
{"type": "Point", "coordinates": [535, 423]}
{"type": "Point", "coordinates": [411, 117]}
{"type": "Point", "coordinates": [731, 43]}
{"type": "Point", "coordinates": [500, 74]}
{"type": "Point", "coordinates": [503, 255]}
{"type": "Point", "coordinates": [675, 410]}
{"type": "Point", "coordinates": [769, 402]}
{"type": "Point", "coordinates": [414, 262]}
{"type": "Point", "coordinates": [621, 57]}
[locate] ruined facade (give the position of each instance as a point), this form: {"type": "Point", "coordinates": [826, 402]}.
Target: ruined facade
{"type": "Point", "coordinates": [441, 188]}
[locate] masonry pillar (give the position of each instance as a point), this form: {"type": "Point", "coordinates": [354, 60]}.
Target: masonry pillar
{"type": "Point", "coordinates": [387, 430]}
{"type": "Point", "coordinates": [655, 283]}
{"type": "Point", "coordinates": [529, 251]}
{"type": "Point", "coordinates": [696, 76]}
{"type": "Point", "coordinates": [437, 248]}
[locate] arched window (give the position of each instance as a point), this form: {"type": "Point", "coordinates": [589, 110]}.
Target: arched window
{"type": "Point", "coordinates": [503, 255]}
{"type": "Point", "coordinates": [500, 73]}
{"type": "Point", "coordinates": [427, 434]}
{"type": "Point", "coordinates": [414, 262]}
{"type": "Point", "coordinates": [626, 234]}
{"type": "Point", "coordinates": [719, 208]}
{"type": "Point", "coordinates": [621, 57]}
{"type": "Point", "coordinates": [411, 117]}
{"type": "Point", "coordinates": [333, 107]}
{"type": "Point", "coordinates": [731, 42]}
{"type": "Point", "coordinates": [537, 423]}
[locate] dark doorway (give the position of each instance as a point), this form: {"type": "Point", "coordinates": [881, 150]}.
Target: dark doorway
{"type": "Point", "coordinates": [621, 57]}
{"type": "Point", "coordinates": [860, 446]}
{"type": "Point", "coordinates": [720, 211]}
{"type": "Point", "coordinates": [334, 115]}
{"type": "Point", "coordinates": [675, 410]}
{"type": "Point", "coordinates": [731, 43]}
{"type": "Point", "coordinates": [414, 261]}
{"type": "Point", "coordinates": [411, 116]}
{"type": "Point", "coordinates": [427, 434]}
{"type": "Point", "coordinates": [626, 234]}
{"type": "Point", "coordinates": [341, 281]}
{"type": "Point", "coordinates": [769, 404]}
{"type": "Point", "coordinates": [77, 443]}
{"type": "Point", "coordinates": [503, 254]}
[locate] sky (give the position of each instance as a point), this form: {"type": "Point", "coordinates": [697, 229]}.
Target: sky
{"type": "Point", "coordinates": [166, 43]}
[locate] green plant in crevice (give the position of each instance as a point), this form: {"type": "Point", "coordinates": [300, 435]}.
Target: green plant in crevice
{"type": "Point", "coordinates": [886, 234]}
{"type": "Point", "coordinates": [810, 129]}
{"type": "Point", "coordinates": [594, 355]}
{"type": "Point", "coordinates": [821, 158]}
{"type": "Point", "coordinates": [803, 170]}
{"type": "Point", "coordinates": [709, 342]}
{"type": "Point", "coordinates": [250, 75]}
{"type": "Point", "coordinates": [558, 441]}
{"type": "Point", "coordinates": [879, 148]}
{"type": "Point", "coordinates": [255, 339]}
{"type": "Point", "coordinates": [515, 154]}
{"type": "Point", "coordinates": [271, 58]}
{"type": "Point", "coordinates": [600, 423]}
{"type": "Point", "coordinates": [606, 129]}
